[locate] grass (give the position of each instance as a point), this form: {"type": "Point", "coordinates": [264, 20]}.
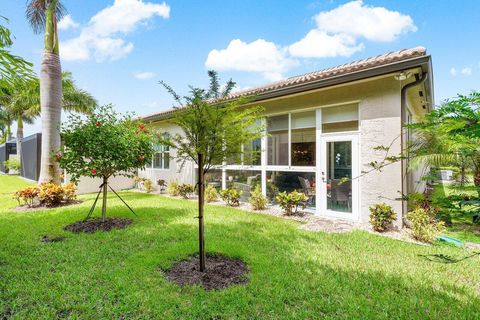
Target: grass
{"type": "Point", "coordinates": [462, 226]}
{"type": "Point", "coordinates": [293, 273]}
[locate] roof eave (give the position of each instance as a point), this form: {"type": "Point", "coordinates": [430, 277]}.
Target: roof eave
{"type": "Point", "coordinates": [422, 61]}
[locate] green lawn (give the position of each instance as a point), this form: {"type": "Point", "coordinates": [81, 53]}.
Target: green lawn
{"type": "Point", "coordinates": [462, 227]}
{"type": "Point", "coordinates": [293, 273]}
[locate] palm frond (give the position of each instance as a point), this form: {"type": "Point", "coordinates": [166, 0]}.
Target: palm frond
{"type": "Point", "coordinates": [36, 13]}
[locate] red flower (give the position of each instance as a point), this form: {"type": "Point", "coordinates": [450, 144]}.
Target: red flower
{"type": "Point", "coordinates": [94, 171]}
{"type": "Point", "coordinates": [99, 123]}
{"type": "Point", "coordinates": [141, 158]}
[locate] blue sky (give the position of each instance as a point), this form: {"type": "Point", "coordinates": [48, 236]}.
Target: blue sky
{"type": "Point", "coordinates": [119, 49]}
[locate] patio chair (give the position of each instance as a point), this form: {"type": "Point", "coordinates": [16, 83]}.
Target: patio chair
{"type": "Point", "coordinates": [307, 189]}
{"type": "Point", "coordinates": [341, 192]}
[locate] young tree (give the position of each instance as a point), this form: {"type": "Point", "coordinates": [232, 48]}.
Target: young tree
{"type": "Point", "coordinates": [43, 16]}
{"type": "Point", "coordinates": [104, 144]}
{"type": "Point", "coordinates": [214, 129]}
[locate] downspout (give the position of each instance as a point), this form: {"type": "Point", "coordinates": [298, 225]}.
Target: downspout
{"type": "Point", "coordinates": [403, 118]}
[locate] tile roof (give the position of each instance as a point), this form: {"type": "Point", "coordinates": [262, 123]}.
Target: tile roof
{"type": "Point", "coordinates": [348, 68]}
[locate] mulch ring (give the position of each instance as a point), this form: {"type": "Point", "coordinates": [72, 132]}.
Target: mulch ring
{"type": "Point", "coordinates": [48, 239]}
{"type": "Point", "coordinates": [97, 224]}
{"type": "Point", "coordinates": [221, 272]}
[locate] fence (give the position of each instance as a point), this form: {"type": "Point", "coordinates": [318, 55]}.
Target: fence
{"type": "Point", "coordinates": [7, 149]}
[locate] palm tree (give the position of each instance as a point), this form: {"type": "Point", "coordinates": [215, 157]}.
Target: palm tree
{"type": "Point", "coordinates": [5, 124]}
{"type": "Point", "coordinates": [22, 101]}
{"type": "Point", "coordinates": [43, 16]}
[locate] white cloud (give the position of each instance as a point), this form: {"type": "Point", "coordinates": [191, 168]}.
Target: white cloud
{"type": "Point", "coordinates": [338, 32]}
{"type": "Point", "coordinates": [466, 71]}
{"type": "Point", "coordinates": [318, 44]}
{"type": "Point", "coordinates": [144, 75]}
{"type": "Point", "coordinates": [359, 20]}
{"type": "Point", "coordinates": [258, 56]}
{"type": "Point", "coordinates": [67, 22]}
{"type": "Point", "coordinates": [102, 37]}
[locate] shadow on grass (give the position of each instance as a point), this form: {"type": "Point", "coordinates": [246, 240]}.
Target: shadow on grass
{"type": "Point", "coordinates": [447, 259]}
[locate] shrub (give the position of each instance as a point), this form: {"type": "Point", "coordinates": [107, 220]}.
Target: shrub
{"type": "Point", "coordinates": [51, 194]}
{"type": "Point", "coordinates": [185, 190]}
{"type": "Point", "coordinates": [211, 194]}
{"type": "Point", "coordinates": [12, 164]}
{"type": "Point", "coordinates": [272, 191]}
{"type": "Point", "coordinates": [381, 216]}
{"type": "Point", "coordinates": [290, 202]}
{"type": "Point", "coordinates": [172, 189]}
{"type": "Point", "coordinates": [26, 196]}
{"type": "Point", "coordinates": [424, 225]}
{"type": "Point", "coordinates": [48, 194]}
{"type": "Point", "coordinates": [147, 185]}
{"type": "Point", "coordinates": [231, 196]}
{"type": "Point", "coordinates": [69, 192]}
{"type": "Point", "coordinates": [257, 200]}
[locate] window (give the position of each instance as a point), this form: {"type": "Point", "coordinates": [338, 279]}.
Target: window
{"type": "Point", "coordinates": [303, 138]}
{"type": "Point", "coordinates": [277, 129]}
{"type": "Point", "coordinates": [161, 158]}
{"type": "Point", "coordinates": [338, 119]}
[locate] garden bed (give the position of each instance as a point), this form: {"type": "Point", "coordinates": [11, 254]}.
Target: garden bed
{"type": "Point", "coordinates": [221, 272]}
{"type": "Point", "coordinates": [39, 206]}
{"type": "Point", "coordinates": [97, 224]}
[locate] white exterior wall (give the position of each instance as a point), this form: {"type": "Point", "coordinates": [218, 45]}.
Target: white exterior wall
{"type": "Point", "coordinates": [187, 174]}
{"type": "Point", "coordinates": [91, 185]}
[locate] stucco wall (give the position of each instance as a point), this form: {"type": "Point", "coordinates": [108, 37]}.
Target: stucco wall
{"type": "Point", "coordinates": [91, 185]}
{"type": "Point", "coordinates": [187, 174]}
{"type": "Point", "coordinates": [379, 113]}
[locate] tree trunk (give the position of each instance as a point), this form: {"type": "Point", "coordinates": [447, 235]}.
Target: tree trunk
{"type": "Point", "coordinates": [19, 140]}
{"type": "Point", "coordinates": [476, 180]}
{"type": "Point", "coordinates": [51, 109]}
{"type": "Point", "coordinates": [104, 202]}
{"type": "Point", "coordinates": [201, 204]}
{"type": "Point", "coordinates": [9, 133]}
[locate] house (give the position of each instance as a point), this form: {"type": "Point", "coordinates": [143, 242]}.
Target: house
{"type": "Point", "coordinates": [323, 129]}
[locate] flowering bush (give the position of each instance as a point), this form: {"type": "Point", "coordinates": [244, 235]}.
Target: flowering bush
{"type": "Point", "coordinates": [290, 202]}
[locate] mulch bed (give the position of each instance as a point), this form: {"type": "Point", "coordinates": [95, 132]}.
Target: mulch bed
{"type": "Point", "coordinates": [37, 206]}
{"type": "Point", "coordinates": [48, 239]}
{"type": "Point", "coordinates": [221, 272]}
{"type": "Point", "coordinates": [97, 224]}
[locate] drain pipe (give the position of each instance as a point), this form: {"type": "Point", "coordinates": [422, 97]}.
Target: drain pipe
{"type": "Point", "coordinates": [403, 118]}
